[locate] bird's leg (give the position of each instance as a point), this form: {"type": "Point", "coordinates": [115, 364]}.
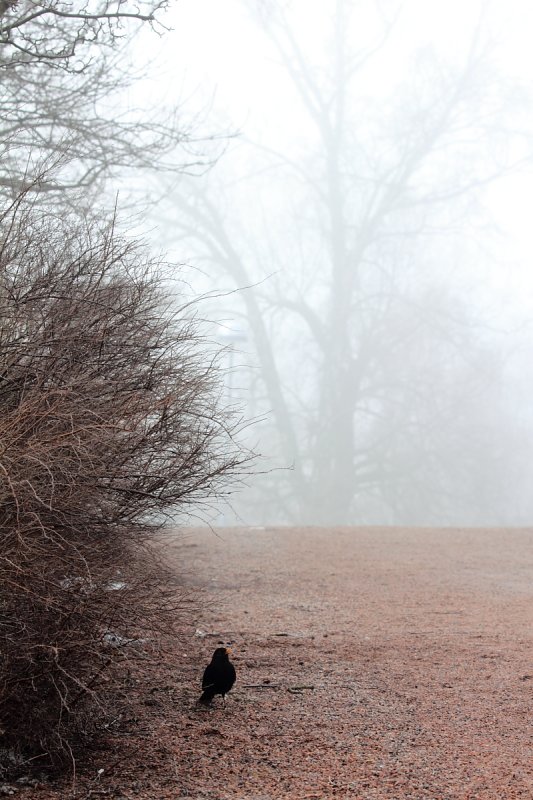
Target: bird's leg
{"type": "Point", "coordinates": [223, 701]}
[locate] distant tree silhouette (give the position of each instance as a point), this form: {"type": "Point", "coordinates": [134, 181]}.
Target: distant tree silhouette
{"type": "Point", "coordinates": [357, 228]}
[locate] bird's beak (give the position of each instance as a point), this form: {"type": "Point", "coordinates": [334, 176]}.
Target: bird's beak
{"type": "Point", "coordinates": [228, 651]}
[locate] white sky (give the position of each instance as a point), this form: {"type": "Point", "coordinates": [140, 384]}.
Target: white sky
{"type": "Point", "coordinates": [216, 55]}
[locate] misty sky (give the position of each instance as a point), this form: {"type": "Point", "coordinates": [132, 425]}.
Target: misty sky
{"type": "Point", "coordinates": [215, 58]}
{"type": "Point", "coordinates": [226, 76]}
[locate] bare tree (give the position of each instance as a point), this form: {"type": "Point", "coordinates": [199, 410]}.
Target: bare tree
{"type": "Point", "coordinates": [62, 69]}
{"type": "Point", "coordinates": [384, 193]}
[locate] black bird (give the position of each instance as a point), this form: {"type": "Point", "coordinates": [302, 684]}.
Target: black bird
{"type": "Point", "coordinates": [219, 676]}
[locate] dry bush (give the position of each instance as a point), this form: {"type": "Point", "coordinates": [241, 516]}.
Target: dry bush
{"type": "Point", "coordinates": [109, 417]}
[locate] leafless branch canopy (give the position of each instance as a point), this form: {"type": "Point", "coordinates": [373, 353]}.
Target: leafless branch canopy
{"type": "Point", "coordinates": [62, 68]}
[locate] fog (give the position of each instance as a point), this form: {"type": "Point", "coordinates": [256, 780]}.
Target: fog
{"type": "Point", "coordinates": [357, 210]}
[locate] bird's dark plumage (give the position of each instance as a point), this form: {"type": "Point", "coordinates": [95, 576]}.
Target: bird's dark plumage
{"type": "Point", "coordinates": [219, 676]}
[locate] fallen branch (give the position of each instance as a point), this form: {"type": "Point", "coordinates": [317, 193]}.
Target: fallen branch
{"type": "Point", "coordinates": [261, 685]}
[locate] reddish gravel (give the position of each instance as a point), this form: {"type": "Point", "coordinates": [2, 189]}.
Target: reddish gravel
{"type": "Point", "coordinates": [371, 663]}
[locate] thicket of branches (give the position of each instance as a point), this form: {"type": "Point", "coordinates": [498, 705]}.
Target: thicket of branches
{"type": "Point", "coordinates": [110, 416]}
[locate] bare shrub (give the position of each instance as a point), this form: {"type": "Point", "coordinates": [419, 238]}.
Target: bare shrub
{"type": "Point", "coordinates": [109, 417]}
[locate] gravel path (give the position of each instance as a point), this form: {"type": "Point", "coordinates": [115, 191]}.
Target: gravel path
{"type": "Point", "coordinates": [372, 663]}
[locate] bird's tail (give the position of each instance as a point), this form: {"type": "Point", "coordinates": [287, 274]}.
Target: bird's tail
{"type": "Point", "coordinates": [207, 696]}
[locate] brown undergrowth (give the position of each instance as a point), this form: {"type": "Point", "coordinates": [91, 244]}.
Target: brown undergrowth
{"type": "Point", "coordinates": [110, 415]}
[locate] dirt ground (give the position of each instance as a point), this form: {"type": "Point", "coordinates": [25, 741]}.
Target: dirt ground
{"type": "Point", "coordinates": [371, 663]}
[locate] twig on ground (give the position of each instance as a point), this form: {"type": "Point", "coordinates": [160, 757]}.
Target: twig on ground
{"type": "Point", "coordinates": [261, 685]}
